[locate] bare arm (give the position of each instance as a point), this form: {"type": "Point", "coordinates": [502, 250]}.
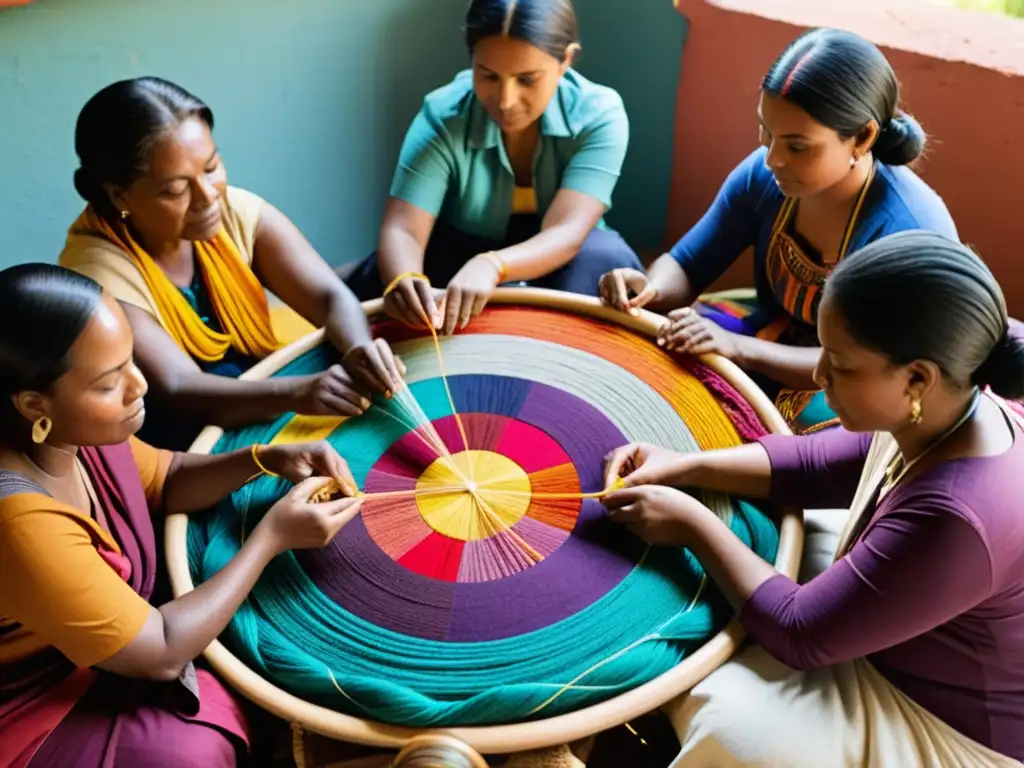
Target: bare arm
{"type": "Point", "coordinates": [288, 265]}
{"type": "Point", "coordinates": [569, 219]}
{"type": "Point", "coordinates": [196, 482]}
{"type": "Point", "coordinates": [404, 234]}
{"type": "Point", "coordinates": [177, 381]}
{"type": "Point", "coordinates": [673, 288]}
{"type": "Point", "coordinates": [790, 366]}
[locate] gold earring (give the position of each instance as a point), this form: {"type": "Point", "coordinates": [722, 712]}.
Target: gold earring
{"type": "Point", "coordinates": [124, 214]}
{"type": "Point", "coordinates": [915, 411]}
{"type": "Point", "coordinates": [41, 430]}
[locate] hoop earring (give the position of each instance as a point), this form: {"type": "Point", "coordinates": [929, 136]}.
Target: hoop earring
{"type": "Point", "coordinates": [41, 430]}
{"type": "Point", "coordinates": [915, 411]}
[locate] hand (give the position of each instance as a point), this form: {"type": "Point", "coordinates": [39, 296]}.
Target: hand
{"type": "Point", "coordinates": [686, 331]}
{"type": "Point", "coordinates": [331, 393]}
{"type": "Point", "coordinates": [468, 293]}
{"type": "Point", "coordinates": [299, 461]}
{"type": "Point", "coordinates": [655, 513]}
{"type": "Point", "coordinates": [644, 464]}
{"type": "Point", "coordinates": [412, 302]}
{"type": "Point", "coordinates": [374, 365]}
{"type": "Point", "coordinates": [616, 286]}
{"type": "Point", "coordinates": [295, 523]}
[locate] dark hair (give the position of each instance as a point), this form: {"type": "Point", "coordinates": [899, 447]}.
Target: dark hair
{"type": "Point", "coordinates": [43, 310]}
{"type": "Point", "coordinates": [845, 82]}
{"type": "Point", "coordinates": [920, 296]}
{"type": "Point", "coordinates": [546, 24]}
{"type": "Point", "coordinates": [117, 128]}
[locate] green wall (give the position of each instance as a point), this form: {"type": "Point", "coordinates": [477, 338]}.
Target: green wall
{"type": "Point", "coordinates": [311, 99]}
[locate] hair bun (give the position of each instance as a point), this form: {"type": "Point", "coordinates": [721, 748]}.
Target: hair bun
{"type": "Point", "coordinates": [900, 142]}
{"type": "Point", "coordinates": [1003, 369]}
{"type": "Point", "coordinates": [85, 186]}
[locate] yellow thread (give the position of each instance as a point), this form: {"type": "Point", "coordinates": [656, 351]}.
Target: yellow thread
{"type": "Point", "coordinates": [399, 278]}
{"type": "Point", "coordinates": [258, 463]}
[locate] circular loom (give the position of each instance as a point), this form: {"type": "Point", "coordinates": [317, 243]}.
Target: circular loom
{"type": "Point", "coordinates": [482, 591]}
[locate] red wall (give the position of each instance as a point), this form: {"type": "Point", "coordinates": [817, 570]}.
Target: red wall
{"type": "Point", "coordinates": [973, 112]}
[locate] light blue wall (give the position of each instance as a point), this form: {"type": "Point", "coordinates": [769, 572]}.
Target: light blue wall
{"type": "Point", "coordinates": [311, 99]}
{"type": "Point", "coordinates": [636, 46]}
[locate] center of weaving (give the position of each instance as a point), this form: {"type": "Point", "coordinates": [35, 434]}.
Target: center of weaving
{"type": "Point", "coordinates": [473, 495]}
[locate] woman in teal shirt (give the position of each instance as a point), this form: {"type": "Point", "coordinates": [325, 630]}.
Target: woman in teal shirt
{"type": "Point", "coordinates": [505, 175]}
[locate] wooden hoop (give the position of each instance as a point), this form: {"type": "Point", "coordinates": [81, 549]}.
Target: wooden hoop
{"type": "Point", "coordinates": [517, 737]}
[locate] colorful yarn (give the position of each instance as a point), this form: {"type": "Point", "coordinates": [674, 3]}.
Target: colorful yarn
{"type": "Point", "coordinates": [518, 600]}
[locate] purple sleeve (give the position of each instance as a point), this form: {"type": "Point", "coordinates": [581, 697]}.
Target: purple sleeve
{"type": "Point", "coordinates": [724, 232]}
{"type": "Point", "coordinates": [915, 568]}
{"type": "Point", "coordinates": [816, 471]}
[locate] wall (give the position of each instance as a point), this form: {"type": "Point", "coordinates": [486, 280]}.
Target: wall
{"type": "Point", "coordinates": [311, 98]}
{"type": "Point", "coordinates": [962, 76]}
{"type": "Point", "coordinates": [635, 48]}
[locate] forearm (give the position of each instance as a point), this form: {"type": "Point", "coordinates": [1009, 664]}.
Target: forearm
{"type": "Point", "coordinates": [398, 251]}
{"type": "Point", "coordinates": [197, 618]}
{"type": "Point", "coordinates": [674, 289]}
{"type": "Point", "coordinates": [345, 324]}
{"type": "Point", "coordinates": [735, 568]}
{"type": "Point", "coordinates": [788, 365]}
{"type": "Point", "coordinates": [744, 471]}
{"type": "Point", "coordinates": [230, 402]}
{"type": "Point", "coordinates": [196, 482]}
{"type": "Point", "coordinates": [542, 254]}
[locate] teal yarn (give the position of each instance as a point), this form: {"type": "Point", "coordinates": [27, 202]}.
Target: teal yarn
{"type": "Point", "coordinates": [295, 636]}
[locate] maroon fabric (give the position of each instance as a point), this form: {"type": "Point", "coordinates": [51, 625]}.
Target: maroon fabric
{"type": "Point", "coordinates": [932, 592]}
{"type": "Point", "coordinates": [118, 721]}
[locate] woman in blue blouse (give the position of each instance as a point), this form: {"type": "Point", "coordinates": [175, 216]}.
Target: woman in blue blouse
{"type": "Point", "coordinates": [829, 178]}
{"type": "Point", "coordinates": [505, 174]}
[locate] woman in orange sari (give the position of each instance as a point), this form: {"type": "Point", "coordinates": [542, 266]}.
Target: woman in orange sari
{"type": "Point", "coordinates": [188, 257]}
{"type": "Point", "coordinates": [96, 664]}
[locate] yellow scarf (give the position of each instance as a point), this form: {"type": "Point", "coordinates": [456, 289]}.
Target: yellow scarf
{"type": "Point", "coordinates": [238, 299]}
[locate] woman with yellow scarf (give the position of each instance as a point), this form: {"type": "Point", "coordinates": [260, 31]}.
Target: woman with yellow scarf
{"type": "Point", "coordinates": [188, 257]}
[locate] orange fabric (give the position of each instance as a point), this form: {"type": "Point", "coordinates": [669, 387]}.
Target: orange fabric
{"type": "Point", "coordinates": [56, 588]}
{"type": "Point", "coordinates": [153, 464]}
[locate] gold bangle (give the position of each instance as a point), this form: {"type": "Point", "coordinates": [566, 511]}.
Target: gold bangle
{"type": "Point", "coordinates": [498, 263]}
{"type": "Point", "coordinates": [394, 283]}
{"type": "Point", "coordinates": [258, 463]}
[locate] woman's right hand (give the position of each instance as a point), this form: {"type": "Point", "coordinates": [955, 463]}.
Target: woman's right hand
{"type": "Point", "coordinates": [616, 286]}
{"type": "Point", "coordinates": [645, 464]}
{"type": "Point", "coordinates": [331, 393]}
{"type": "Point", "coordinates": [412, 302]}
{"type": "Point", "coordinates": [296, 523]}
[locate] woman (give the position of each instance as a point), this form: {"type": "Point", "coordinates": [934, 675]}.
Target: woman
{"type": "Point", "coordinates": [93, 672]}
{"type": "Point", "coordinates": [829, 178]}
{"type": "Point", "coordinates": [911, 644]}
{"type": "Point", "coordinates": [188, 256]}
{"type": "Point", "coordinates": [505, 174]}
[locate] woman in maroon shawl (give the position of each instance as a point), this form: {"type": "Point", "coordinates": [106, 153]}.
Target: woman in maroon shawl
{"type": "Point", "coordinates": [94, 670]}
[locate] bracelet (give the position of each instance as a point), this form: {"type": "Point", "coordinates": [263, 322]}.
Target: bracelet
{"type": "Point", "coordinates": [258, 463]}
{"type": "Point", "coordinates": [498, 263]}
{"type": "Point", "coordinates": [394, 283]}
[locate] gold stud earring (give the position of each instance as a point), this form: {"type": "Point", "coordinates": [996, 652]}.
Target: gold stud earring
{"type": "Point", "coordinates": [915, 411]}
{"type": "Point", "coordinates": [41, 430]}
{"type": "Point", "coordinates": [124, 214]}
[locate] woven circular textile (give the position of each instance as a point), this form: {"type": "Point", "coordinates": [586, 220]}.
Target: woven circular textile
{"type": "Point", "coordinates": [482, 582]}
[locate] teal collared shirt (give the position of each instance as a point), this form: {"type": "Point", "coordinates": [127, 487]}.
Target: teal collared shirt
{"type": "Point", "coordinates": [454, 166]}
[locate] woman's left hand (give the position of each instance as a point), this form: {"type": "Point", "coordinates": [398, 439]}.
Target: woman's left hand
{"type": "Point", "coordinates": [297, 461]}
{"type": "Point", "coordinates": [690, 333]}
{"type": "Point", "coordinates": [655, 513]}
{"type": "Point", "coordinates": [374, 365]}
{"type": "Point", "coordinates": [468, 293]}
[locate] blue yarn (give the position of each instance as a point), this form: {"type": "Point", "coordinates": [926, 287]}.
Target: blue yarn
{"type": "Point", "coordinates": [294, 636]}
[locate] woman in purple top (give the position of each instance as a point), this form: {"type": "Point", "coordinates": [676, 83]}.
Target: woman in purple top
{"type": "Point", "coordinates": [910, 646]}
